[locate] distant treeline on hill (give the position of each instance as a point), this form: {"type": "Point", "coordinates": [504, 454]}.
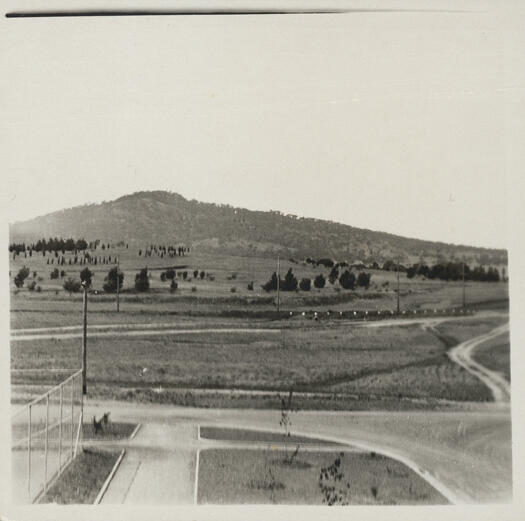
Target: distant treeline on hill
{"type": "Point", "coordinates": [454, 271]}
{"type": "Point", "coordinates": [51, 244]}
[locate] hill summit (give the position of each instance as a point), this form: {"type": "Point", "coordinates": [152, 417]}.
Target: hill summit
{"type": "Point", "coordinates": [161, 217]}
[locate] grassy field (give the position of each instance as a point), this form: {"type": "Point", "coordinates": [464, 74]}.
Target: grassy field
{"type": "Point", "coordinates": [495, 355]}
{"type": "Point", "coordinates": [396, 362]}
{"type": "Point", "coordinates": [260, 477]}
{"type": "Point", "coordinates": [81, 482]}
{"type": "Point", "coordinates": [226, 295]}
{"type": "Point", "coordinates": [222, 433]}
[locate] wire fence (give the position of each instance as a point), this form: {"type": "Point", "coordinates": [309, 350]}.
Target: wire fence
{"type": "Point", "coordinates": [45, 437]}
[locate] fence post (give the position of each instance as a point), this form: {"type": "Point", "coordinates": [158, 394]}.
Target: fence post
{"type": "Point", "coordinates": [72, 433]}
{"type": "Point", "coordinates": [46, 443]}
{"type": "Point", "coordinates": [29, 454]}
{"type": "Point", "coordinates": [60, 435]}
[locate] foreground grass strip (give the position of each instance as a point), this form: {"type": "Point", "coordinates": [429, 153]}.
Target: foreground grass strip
{"type": "Point", "coordinates": [82, 480]}
{"type": "Point", "coordinates": [110, 431]}
{"type": "Point", "coordinates": [263, 477]}
{"type": "Point", "coordinates": [247, 435]}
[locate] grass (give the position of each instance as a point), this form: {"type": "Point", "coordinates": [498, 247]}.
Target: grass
{"type": "Point", "coordinates": [111, 431]}
{"type": "Point", "coordinates": [261, 477]}
{"type": "Point", "coordinates": [82, 480]}
{"type": "Point", "coordinates": [390, 363]}
{"type": "Point", "coordinates": [495, 355]}
{"type": "Point", "coordinates": [222, 433]}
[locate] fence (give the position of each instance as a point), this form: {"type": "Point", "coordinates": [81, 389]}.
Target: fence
{"type": "Point", "coordinates": [45, 436]}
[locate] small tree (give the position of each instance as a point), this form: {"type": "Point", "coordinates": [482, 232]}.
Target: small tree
{"type": "Point", "coordinates": [32, 285]}
{"type": "Point", "coordinates": [195, 273]}
{"type": "Point", "coordinates": [21, 276]}
{"type": "Point", "coordinates": [110, 281]}
{"type": "Point", "coordinates": [54, 274]}
{"type": "Point", "coordinates": [86, 277]}
{"type": "Point", "coordinates": [142, 280]}
{"type": "Point", "coordinates": [334, 273]}
{"type": "Point", "coordinates": [202, 274]}
{"type": "Point", "coordinates": [305, 284]}
{"type": "Point", "coordinates": [173, 285]}
{"type": "Point", "coordinates": [319, 281]}
{"type": "Point", "coordinates": [347, 280]}
{"type": "Point", "coordinates": [250, 286]}
{"type": "Point", "coordinates": [290, 282]}
{"type": "Point", "coordinates": [271, 285]}
{"type": "Point", "coordinates": [363, 279]}
{"type": "Point", "coordinates": [71, 285]}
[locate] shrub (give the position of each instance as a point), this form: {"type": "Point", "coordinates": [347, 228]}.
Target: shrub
{"type": "Point", "coordinates": [163, 276]}
{"type": "Point", "coordinates": [38, 289]}
{"type": "Point", "coordinates": [202, 274]}
{"type": "Point", "coordinates": [250, 286]}
{"type": "Point", "coordinates": [54, 274]}
{"type": "Point", "coordinates": [32, 285]}
{"type": "Point", "coordinates": [327, 263]}
{"type": "Point", "coordinates": [142, 280]}
{"type": "Point", "coordinates": [173, 285]}
{"type": "Point", "coordinates": [305, 284]}
{"type": "Point", "coordinates": [233, 289]}
{"type": "Point", "coordinates": [62, 273]}
{"type": "Point", "coordinates": [271, 285]}
{"type": "Point", "coordinates": [319, 281]}
{"type": "Point", "coordinates": [21, 276]}
{"type": "Point", "coordinates": [290, 282]}
{"type": "Point", "coordinates": [110, 281]}
{"type": "Point", "coordinates": [170, 274]}
{"type": "Point", "coordinates": [193, 289]}
{"type": "Point", "coordinates": [334, 273]}
{"type": "Point", "coordinates": [195, 273]}
{"type": "Point", "coordinates": [347, 280]}
{"type": "Point", "coordinates": [363, 279]}
{"type": "Point", "coordinates": [71, 285]}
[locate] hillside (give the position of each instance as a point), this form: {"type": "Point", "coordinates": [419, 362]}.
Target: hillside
{"type": "Point", "coordinates": [167, 218]}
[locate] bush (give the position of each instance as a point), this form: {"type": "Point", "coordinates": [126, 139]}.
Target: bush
{"type": "Point", "coordinates": [32, 285]}
{"type": "Point", "coordinates": [71, 285]}
{"type": "Point", "coordinates": [290, 282]}
{"type": "Point", "coordinates": [110, 282]}
{"type": "Point", "coordinates": [195, 273]}
{"type": "Point", "coordinates": [250, 286]}
{"type": "Point", "coordinates": [21, 276]}
{"type": "Point", "coordinates": [305, 284]}
{"type": "Point", "coordinates": [173, 285]}
{"type": "Point", "coordinates": [347, 280]}
{"type": "Point", "coordinates": [202, 274]}
{"type": "Point", "coordinates": [319, 281]}
{"type": "Point", "coordinates": [38, 289]}
{"type": "Point", "coordinates": [193, 289]}
{"type": "Point", "coordinates": [327, 263]}
{"type": "Point", "coordinates": [142, 280]}
{"type": "Point", "coordinates": [271, 285]}
{"type": "Point", "coordinates": [54, 274]}
{"type": "Point", "coordinates": [170, 274]}
{"type": "Point", "coordinates": [363, 279]}
{"type": "Point", "coordinates": [62, 274]}
{"type": "Point", "coordinates": [233, 289]}
{"type": "Point", "coordinates": [334, 273]}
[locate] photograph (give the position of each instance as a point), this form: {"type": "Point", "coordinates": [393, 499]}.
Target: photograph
{"type": "Point", "coordinates": [260, 256]}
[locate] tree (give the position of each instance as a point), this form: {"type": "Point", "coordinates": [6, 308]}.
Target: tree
{"type": "Point", "coordinates": [54, 274]}
{"type": "Point", "coordinates": [110, 281]}
{"type": "Point", "coordinates": [363, 279]}
{"type": "Point", "coordinates": [142, 280]}
{"type": "Point", "coordinates": [71, 285]}
{"type": "Point", "coordinates": [290, 282]}
{"type": "Point", "coordinates": [319, 281]}
{"type": "Point", "coordinates": [21, 276]}
{"type": "Point", "coordinates": [347, 280]}
{"type": "Point", "coordinates": [271, 285]}
{"type": "Point", "coordinates": [305, 284]}
{"type": "Point", "coordinates": [173, 285]}
{"type": "Point", "coordinates": [334, 273]}
{"type": "Point", "coordinates": [202, 275]}
{"type": "Point", "coordinates": [195, 273]}
{"type": "Point", "coordinates": [170, 273]}
{"type": "Point", "coordinates": [85, 276]}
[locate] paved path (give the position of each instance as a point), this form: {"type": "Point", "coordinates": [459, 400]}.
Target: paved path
{"type": "Point", "coordinates": [496, 382]}
{"type": "Point", "coordinates": [465, 455]}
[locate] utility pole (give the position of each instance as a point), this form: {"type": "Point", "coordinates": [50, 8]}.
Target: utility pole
{"type": "Point", "coordinates": [398, 286]}
{"type": "Point", "coordinates": [84, 339]}
{"type": "Point", "coordinates": [118, 284]}
{"type": "Point", "coordinates": [278, 286]}
{"type": "Point", "coordinates": [463, 276]}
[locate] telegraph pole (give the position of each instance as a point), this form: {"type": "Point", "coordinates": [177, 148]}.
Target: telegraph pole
{"type": "Point", "coordinates": [398, 286]}
{"type": "Point", "coordinates": [84, 339]}
{"type": "Point", "coordinates": [278, 286]}
{"type": "Point", "coordinates": [118, 284]}
{"type": "Point", "coordinates": [463, 276]}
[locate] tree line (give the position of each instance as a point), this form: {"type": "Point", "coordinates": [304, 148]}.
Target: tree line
{"type": "Point", "coordinates": [454, 271]}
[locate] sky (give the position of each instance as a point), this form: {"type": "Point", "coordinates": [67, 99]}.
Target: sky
{"type": "Point", "coordinates": [387, 121]}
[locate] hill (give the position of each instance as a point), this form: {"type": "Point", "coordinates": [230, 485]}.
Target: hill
{"type": "Point", "coordinates": [167, 218]}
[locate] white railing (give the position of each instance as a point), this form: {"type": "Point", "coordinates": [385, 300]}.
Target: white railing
{"type": "Point", "coordinates": [45, 437]}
